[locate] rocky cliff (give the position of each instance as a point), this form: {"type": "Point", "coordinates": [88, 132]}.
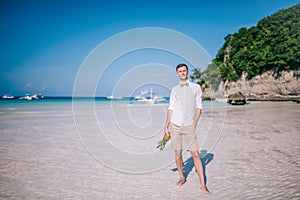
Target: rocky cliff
{"type": "Point", "coordinates": [268, 86]}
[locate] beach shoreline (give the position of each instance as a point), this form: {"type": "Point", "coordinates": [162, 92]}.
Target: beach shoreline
{"type": "Point", "coordinates": [256, 155]}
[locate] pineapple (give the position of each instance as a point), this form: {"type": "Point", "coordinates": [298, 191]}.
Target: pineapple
{"type": "Point", "coordinates": [162, 143]}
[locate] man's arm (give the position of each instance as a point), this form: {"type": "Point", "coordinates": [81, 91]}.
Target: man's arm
{"type": "Point", "coordinates": [168, 121]}
{"type": "Point", "coordinates": [199, 106]}
{"type": "Point", "coordinates": [197, 116]}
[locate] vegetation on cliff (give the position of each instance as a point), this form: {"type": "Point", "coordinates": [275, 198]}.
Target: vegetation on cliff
{"type": "Point", "coordinates": [274, 44]}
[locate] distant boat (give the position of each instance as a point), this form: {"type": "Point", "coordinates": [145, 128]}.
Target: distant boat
{"type": "Point", "coordinates": [114, 97]}
{"type": "Point", "coordinates": [30, 97]}
{"type": "Point", "coordinates": [7, 96]}
{"type": "Point", "coordinates": [26, 97]}
{"type": "Point", "coordinates": [37, 96]}
{"type": "Point", "coordinates": [150, 100]}
{"type": "Point", "coordinates": [140, 96]}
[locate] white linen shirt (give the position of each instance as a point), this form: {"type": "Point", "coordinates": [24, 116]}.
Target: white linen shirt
{"type": "Point", "coordinates": [184, 100]}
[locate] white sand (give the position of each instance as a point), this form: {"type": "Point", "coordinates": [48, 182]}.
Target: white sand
{"type": "Point", "coordinates": [42, 157]}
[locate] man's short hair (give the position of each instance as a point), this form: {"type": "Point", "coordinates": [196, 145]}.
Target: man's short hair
{"type": "Point", "coordinates": [182, 65]}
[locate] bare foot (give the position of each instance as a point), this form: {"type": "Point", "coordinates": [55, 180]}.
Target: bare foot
{"type": "Point", "coordinates": [180, 182]}
{"type": "Point", "coordinates": [205, 190]}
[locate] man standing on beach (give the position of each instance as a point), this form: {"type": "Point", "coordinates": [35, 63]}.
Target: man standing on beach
{"type": "Point", "coordinates": [183, 115]}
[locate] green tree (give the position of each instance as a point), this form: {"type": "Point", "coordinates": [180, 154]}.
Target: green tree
{"type": "Point", "coordinates": [274, 44]}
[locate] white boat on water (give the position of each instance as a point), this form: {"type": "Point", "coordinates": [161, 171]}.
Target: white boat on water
{"type": "Point", "coordinates": [26, 97]}
{"type": "Point", "coordinates": [7, 96]}
{"type": "Point", "coordinates": [141, 95]}
{"type": "Point", "coordinates": [114, 97]}
{"type": "Point", "coordinates": [150, 100]}
{"type": "Point", "coordinates": [30, 97]}
{"type": "Point", "coordinates": [37, 96]}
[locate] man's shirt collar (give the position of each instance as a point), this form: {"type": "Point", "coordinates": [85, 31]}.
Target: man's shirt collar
{"type": "Point", "coordinates": [185, 83]}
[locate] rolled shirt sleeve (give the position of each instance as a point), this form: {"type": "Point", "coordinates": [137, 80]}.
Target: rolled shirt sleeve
{"type": "Point", "coordinates": [199, 97]}
{"type": "Point", "coordinates": [172, 102]}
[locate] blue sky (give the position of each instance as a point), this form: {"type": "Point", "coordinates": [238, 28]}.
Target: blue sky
{"type": "Point", "coordinates": [44, 42]}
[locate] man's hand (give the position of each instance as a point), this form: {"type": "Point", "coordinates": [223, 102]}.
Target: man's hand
{"type": "Point", "coordinates": [196, 119]}
{"type": "Point", "coordinates": [166, 131]}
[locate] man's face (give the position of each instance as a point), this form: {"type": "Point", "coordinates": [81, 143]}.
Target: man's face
{"type": "Point", "coordinates": [182, 73]}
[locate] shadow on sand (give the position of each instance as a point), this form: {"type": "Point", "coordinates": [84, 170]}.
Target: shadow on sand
{"type": "Point", "coordinates": [188, 165]}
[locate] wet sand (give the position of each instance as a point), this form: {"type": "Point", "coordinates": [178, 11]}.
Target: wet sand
{"type": "Point", "coordinates": [255, 157]}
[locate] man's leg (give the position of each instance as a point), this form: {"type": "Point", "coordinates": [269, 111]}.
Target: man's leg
{"type": "Point", "coordinates": [176, 139]}
{"type": "Point", "coordinates": [199, 168]}
{"type": "Point", "coordinates": [179, 163]}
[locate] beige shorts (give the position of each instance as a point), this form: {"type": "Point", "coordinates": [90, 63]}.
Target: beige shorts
{"type": "Point", "coordinates": [190, 137]}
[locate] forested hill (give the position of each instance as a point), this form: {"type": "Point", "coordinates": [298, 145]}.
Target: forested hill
{"type": "Point", "coordinates": [274, 44]}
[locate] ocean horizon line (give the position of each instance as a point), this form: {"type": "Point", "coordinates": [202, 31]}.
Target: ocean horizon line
{"type": "Point", "coordinates": [70, 97]}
